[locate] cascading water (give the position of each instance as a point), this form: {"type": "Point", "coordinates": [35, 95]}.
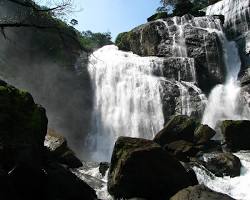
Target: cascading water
{"type": "Point", "coordinates": [224, 100]}
{"type": "Point", "coordinates": [127, 99]}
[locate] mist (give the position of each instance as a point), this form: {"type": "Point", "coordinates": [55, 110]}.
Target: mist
{"type": "Point", "coordinates": [54, 70]}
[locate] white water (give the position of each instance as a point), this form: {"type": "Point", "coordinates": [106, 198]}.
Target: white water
{"type": "Point", "coordinates": [237, 187]}
{"type": "Point", "coordinates": [235, 11]}
{"type": "Point", "coordinates": [127, 99]}
{"type": "Point", "coordinates": [224, 100]}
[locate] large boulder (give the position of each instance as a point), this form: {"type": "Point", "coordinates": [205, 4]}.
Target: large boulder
{"type": "Point", "coordinates": [179, 127]}
{"type": "Point", "coordinates": [182, 149]}
{"type": "Point", "coordinates": [23, 126]}
{"type": "Point", "coordinates": [63, 185]}
{"type": "Point", "coordinates": [27, 169]}
{"type": "Point", "coordinates": [60, 150]}
{"type": "Point", "coordinates": [203, 134]}
{"type": "Point", "coordinates": [141, 168]}
{"type": "Point", "coordinates": [236, 134]}
{"type": "Point", "coordinates": [223, 164]}
{"type": "Point", "coordinates": [199, 192]}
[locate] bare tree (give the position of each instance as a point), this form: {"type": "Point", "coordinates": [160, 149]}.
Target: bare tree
{"type": "Point", "coordinates": [31, 15]}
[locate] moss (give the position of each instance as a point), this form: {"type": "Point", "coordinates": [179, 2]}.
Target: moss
{"type": "Point", "coordinates": [21, 120]}
{"type": "Point", "coordinates": [123, 41]}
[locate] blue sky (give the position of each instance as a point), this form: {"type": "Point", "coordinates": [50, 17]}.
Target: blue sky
{"type": "Point", "coordinates": [112, 15]}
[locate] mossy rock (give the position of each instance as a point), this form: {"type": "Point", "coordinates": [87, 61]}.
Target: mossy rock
{"type": "Point", "coordinates": [60, 151]}
{"type": "Point", "coordinates": [199, 192]}
{"type": "Point", "coordinates": [224, 164]}
{"type": "Point", "coordinates": [141, 168]}
{"type": "Point", "coordinates": [122, 41]}
{"type": "Point", "coordinates": [179, 127]}
{"type": "Point", "coordinates": [23, 125]}
{"type": "Point", "coordinates": [203, 134]}
{"type": "Point", "coordinates": [236, 134]}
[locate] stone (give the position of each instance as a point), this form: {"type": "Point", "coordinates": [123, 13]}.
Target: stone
{"type": "Point", "coordinates": [103, 168]}
{"type": "Point", "coordinates": [236, 134]}
{"type": "Point", "coordinates": [203, 134]}
{"type": "Point", "coordinates": [23, 126]}
{"type": "Point", "coordinates": [160, 37]}
{"type": "Point", "coordinates": [179, 127]}
{"type": "Point", "coordinates": [60, 151]}
{"type": "Point", "coordinates": [141, 168]}
{"type": "Point", "coordinates": [223, 164]}
{"type": "Point", "coordinates": [182, 149]}
{"type": "Point", "coordinates": [199, 192]}
{"type": "Point", "coordinates": [62, 184]}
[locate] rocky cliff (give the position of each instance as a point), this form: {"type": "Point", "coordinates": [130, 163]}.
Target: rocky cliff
{"type": "Point", "coordinates": [192, 53]}
{"type": "Point", "coordinates": [236, 13]}
{"type": "Point", "coordinates": [193, 50]}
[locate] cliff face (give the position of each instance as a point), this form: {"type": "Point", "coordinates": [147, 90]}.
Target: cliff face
{"type": "Point", "coordinates": [237, 24]}
{"type": "Point", "coordinates": [192, 52]}
{"type": "Point", "coordinates": [192, 38]}
{"type": "Point", "coordinates": [45, 63]}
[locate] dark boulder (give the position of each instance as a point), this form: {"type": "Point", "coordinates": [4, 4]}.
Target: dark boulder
{"type": "Point", "coordinates": [103, 168]}
{"type": "Point", "coordinates": [60, 151]}
{"type": "Point", "coordinates": [182, 149]}
{"type": "Point", "coordinates": [27, 169]}
{"type": "Point", "coordinates": [179, 127]}
{"type": "Point", "coordinates": [64, 185]}
{"type": "Point", "coordinates": [199, 192]}
{"type": "Point", "coordinates": [203, 134]}
{"type": "Point", "coordinates": [236, 134]}
{"type": "Point", "coordinates": [23, 126]}
{"type": "Point", "coordinates": [141, 168]}
{"type": "Point", "coordinates": [223, 164]}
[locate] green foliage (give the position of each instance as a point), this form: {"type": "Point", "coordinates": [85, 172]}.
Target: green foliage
{"type": "Point", "coordinates": [187, 7]}
{"type": "Point", "coordinates": [122, 41]}
{"type": "Point", "coordinates": [94, 41]}
{"type": "Point", "coordinates": [159, 15]}
{"type": "Point", "coordinates": [182, 7]}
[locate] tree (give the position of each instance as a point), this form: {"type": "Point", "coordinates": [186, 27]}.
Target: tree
{"type": "Point", "coordinates": [181, 7]}
{"type": "Point", "coordinates": [95, 40]}
{"type": "Point", "coordinates": [28, 14]}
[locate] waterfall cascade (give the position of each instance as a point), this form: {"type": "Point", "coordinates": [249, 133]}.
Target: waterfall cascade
{"type": "Point", "coordinates": [127, 98]}
{"type": "Point", "coordinates": [224, 101]}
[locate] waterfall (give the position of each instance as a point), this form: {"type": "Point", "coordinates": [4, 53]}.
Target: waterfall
{"type": "Point", "coordinates": [224, 100]}
{"type": "Point", "coordinates": [237, 187]}
{"type": "Point", "coordinates": [127, 99]}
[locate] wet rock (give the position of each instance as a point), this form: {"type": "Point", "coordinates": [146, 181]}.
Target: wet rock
{"type": "Point", "coordinates": [203, 134]}
{"type": "Point", "coordinates": [23, 126]}
{"type": "Point", "coordinates": [64, 185]}
{"type": "Point", "coordinates": [236, 134]}
{"type": "Point", "coordinates": [60, 151]}
{"type": "Point", "coordinates": [179, 127]}
{"type": "Point", "coordinates": [103, 168]}
{"type": "Point", "coordinates": [199, 192]}
{"type": "Point", "coordinates": [27, 169]}
{"type": "Point", "coordinates": [223, 164]}
{"type": "Point", "coordinates": [163, 37]}
{"type": "Point", "coordinates": [236, 26]}
{"type": "Point", "coordinates": [141, 168]}
{"type": "Point", "coordinates": [182, 149]}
